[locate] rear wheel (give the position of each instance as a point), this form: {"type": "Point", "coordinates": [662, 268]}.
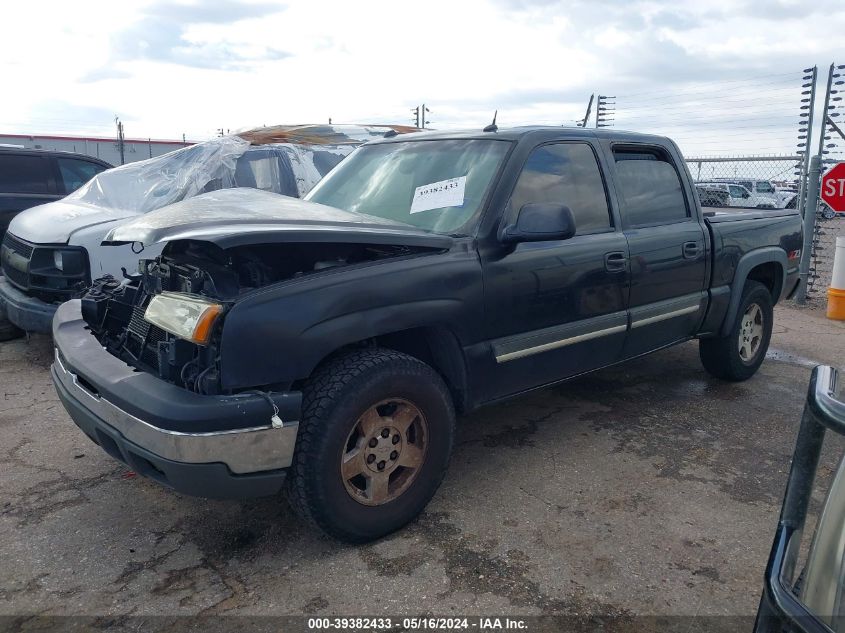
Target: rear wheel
{"type": "Point", "coordinates": [373, 444]}
{"type": "Point", "coordinates": [738, 355]}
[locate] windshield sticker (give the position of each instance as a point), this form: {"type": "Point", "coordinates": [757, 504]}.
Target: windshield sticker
{"type": "Point", "coordinates": [437, 195]}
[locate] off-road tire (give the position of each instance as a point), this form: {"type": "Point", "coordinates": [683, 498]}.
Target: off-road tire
{"type": "Point", "coordinates": [334, 398]}
{"type": "Point", "coordinates": [8, 330]}
{"type": "Point", "coordinates": [721, 356]}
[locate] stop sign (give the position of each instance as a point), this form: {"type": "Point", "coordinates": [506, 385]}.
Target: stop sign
{"type": "Point", "coordinates": [833, 188]}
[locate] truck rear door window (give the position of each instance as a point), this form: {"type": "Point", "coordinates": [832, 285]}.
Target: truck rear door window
{"type": "Point", "coordinates": [568, 174]}
{"type": "Point", "coordinates": [24, 174]}
{"type": "Point", "coordinates": [650, 187]}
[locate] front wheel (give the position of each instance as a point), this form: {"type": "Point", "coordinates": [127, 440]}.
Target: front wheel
{"type": "Point", "coordinates": [738, 355]}
{"type": "Point", "coordinates": [373, 444]}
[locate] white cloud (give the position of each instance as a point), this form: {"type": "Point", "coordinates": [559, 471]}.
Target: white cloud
{"type": "Point", "coordinates": [171, 67]}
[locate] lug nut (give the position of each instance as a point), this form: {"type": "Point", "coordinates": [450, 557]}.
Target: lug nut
{"type": "Point", "coordinates": [373, 443]}
{"type": "Point", "coordinates": [395, 439]}
{"type": "Point", "coordinates": [394, 455]}
{"type": "Point", "coordinates": [371, 459]}
{"type": "Point", "coordinates": [381, 465]}
{"type": "Point", "coordinates": [385, 432]}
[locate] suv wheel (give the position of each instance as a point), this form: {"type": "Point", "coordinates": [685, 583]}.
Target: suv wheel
{"type": "Point", "coordinates": [373, 444]}
{"type": "Point", "coordinates": [738, 355]}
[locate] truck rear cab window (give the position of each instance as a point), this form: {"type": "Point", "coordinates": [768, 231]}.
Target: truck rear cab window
{"type": "Point", "coordinates": [76, 173]}
{"type": "Point", "coordinates": [650, 187]}
{"type": "Point", "coordinates": [568, 174]}
{"type": "Point", "coordinates": [24, 174]}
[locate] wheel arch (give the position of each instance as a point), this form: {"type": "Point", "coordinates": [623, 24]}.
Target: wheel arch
{"type": "Point", "coordinates": [435, 345]}
{"type": "Point", "coordinates": [765, 265]}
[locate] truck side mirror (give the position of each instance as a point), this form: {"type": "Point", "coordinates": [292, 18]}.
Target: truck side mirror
{"type": "Point", "coordinates": [540, 222]}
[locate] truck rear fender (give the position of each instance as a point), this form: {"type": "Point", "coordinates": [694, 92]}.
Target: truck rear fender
{"type": "Point", "coordinates": [766, 265]}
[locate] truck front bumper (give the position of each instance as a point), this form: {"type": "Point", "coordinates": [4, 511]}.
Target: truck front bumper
{"type": "Point", "coordinates": [209, 446]}
{"type": "Point", "coordinates": [28, 313]}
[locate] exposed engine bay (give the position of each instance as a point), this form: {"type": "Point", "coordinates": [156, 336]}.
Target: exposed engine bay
{"type": "Point", "coordinates": [114, 309]}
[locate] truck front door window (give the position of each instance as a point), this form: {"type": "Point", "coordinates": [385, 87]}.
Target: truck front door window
{"type": "Point", "coordinates": [565, 173]}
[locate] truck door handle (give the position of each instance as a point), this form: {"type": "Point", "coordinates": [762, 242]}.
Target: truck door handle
{"type": "Point", "coordinates": [615, 262]}
{"type": "Point", "coordinates": [691, 250]}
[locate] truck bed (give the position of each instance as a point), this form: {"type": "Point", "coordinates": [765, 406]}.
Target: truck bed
{"type": "Point", "coordinates": [737, 231]}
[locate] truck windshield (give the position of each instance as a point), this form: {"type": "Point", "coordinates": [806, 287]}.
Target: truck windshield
{"type": "Point", "coordinates": [436, 185]}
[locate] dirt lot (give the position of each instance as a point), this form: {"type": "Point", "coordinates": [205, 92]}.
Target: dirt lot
{"type": "Point", "coordinates": [645, 489]}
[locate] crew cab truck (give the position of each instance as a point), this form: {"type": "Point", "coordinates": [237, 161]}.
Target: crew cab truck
{"type": "Point", "coordinates": [325, 345]}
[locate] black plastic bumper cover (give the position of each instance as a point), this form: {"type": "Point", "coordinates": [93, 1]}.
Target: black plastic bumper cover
{"type": "Point", "coordinates": [28, 313]}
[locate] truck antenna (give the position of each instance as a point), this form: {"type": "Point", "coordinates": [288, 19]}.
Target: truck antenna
{"type": "Point", "coordinates": [492, 127]}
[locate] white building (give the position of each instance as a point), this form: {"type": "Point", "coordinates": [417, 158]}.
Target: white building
{"type": "Point", "coordinates": [103, 148]}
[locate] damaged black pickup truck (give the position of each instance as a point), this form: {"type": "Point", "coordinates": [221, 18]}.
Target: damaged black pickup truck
{"type": "Point", "coordinates": [324, 346]}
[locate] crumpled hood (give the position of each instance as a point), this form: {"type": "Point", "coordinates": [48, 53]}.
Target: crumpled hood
{"type": "Point", "coordinates": [55, 222]}
{"type": "Point", "coordinates": [234, 217]}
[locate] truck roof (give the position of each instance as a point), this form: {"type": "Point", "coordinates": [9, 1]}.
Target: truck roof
{"type": "Point", "coordinates": [538, 131]}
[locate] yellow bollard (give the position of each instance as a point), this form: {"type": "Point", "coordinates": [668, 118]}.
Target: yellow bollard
{"type": "Point", "coordinates": [836, 292]}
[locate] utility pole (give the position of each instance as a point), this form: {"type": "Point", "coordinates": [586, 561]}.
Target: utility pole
{"type": "Point", "coordinates": [424, 110]}
{"type": "Point", "coordinates": [120, 143]}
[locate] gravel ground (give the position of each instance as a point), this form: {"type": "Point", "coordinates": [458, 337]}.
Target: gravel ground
{"type": "Point", "coordinates": [646, 489]}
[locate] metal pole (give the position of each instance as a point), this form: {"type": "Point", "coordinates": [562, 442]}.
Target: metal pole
{"type": "Point", "coordinates": [824, 111]}
{"type": "Point", "coordinates": [812, 203]}
{"type": "Point", "coordinates": [802, 185]}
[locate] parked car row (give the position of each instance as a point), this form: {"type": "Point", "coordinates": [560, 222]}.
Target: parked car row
{"type": "Point", "coordinates": [723, 194]}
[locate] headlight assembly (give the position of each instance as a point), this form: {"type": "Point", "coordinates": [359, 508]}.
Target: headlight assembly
{"type": "Point", "coordinates": [187, 316]}
{"type": "Point", "coordinates": [69, 261]}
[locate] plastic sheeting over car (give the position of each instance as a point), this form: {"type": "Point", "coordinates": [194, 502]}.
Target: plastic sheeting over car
{"type": "Point", "coordinates": [288, 160]}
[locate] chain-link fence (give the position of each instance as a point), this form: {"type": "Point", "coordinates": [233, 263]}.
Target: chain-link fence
{"type": "Point", "coordinates": [769, 182]}
{"type": "Point", "coordinates": [765, 182]}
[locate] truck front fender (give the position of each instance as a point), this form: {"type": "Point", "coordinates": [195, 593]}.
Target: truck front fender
{"type": "Point", "coordinates": [281, 334]}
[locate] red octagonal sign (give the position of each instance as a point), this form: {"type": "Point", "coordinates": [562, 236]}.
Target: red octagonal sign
{"type": "Point", "coordinates": [833, 188]}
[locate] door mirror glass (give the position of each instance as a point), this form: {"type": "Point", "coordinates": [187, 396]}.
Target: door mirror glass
{"type": "Point", "coordinates": [540, 222]}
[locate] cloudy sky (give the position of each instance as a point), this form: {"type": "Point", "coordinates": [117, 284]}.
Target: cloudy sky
{"type": "Point", "coordinates": [721, 75]}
